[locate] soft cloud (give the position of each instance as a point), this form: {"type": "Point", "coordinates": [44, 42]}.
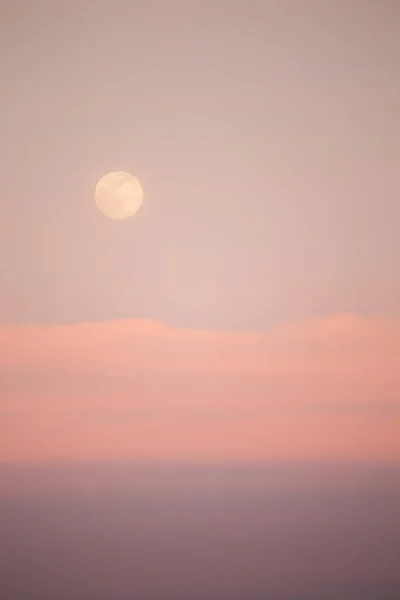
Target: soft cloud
{"type": "Point", "coordinates": [326, 388]}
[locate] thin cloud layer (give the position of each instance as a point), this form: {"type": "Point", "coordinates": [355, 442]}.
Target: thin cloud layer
{"type": "Point", "coordinates": [327, 388]}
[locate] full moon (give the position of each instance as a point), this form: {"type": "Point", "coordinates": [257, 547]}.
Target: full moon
{"type": "Point", "coordinates": [118, 195]}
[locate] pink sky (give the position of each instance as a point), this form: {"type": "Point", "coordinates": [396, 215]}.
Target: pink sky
{"type": "Point", "coordinates": [266, 138]}
{"type": "Point", "coordinates": [322, 389]}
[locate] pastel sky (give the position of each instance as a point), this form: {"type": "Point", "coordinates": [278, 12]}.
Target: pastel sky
{"type": "Point", "coordinates": [251, 309]}
{"type": "Point", "coordinates": [323, 389]}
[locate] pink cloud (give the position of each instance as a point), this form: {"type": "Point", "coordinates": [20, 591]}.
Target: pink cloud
{"type": "Point", "coordinates": [325, 388]}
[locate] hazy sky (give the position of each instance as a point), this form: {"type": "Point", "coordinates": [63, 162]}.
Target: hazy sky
{"type": "Point", "coordinates": [266, 136]}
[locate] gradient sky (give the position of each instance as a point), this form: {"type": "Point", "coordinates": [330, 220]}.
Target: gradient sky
{"type": "Point", "coordinates": [251, 309]}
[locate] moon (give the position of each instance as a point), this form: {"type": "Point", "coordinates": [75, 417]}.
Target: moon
{"type": "Point", "coordinates": [118, 195]}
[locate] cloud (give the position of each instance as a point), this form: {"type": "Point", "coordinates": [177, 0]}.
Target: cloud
{"type": "Point", "coordinates": [327, 388]}
{"type": "Point", "coordinates": [341, 344]}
